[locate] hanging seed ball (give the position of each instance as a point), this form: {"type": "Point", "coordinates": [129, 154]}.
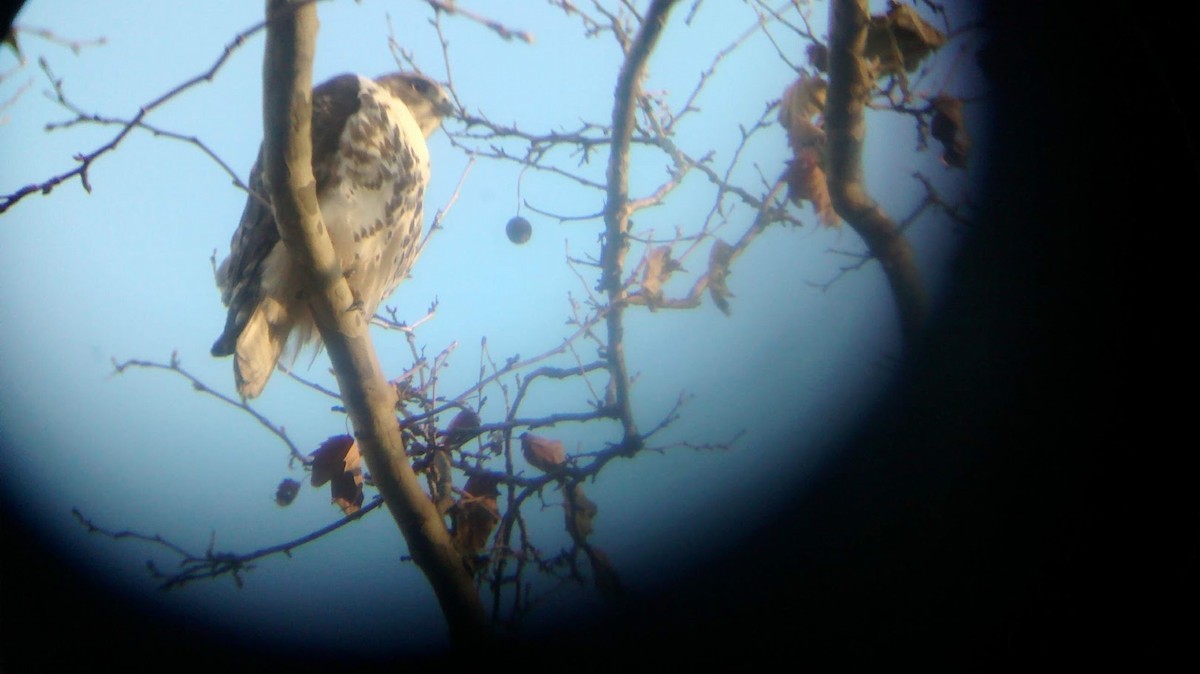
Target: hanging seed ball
{"type": "Point", "coordinates": [286, 492]}
{"type": "Point", "coordinates": [518, 229]}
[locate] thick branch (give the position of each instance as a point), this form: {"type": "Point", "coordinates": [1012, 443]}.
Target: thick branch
{"type": "Point", "coordinates": [617, 206]}
{"type": "Point", "coordinates": [846, 129]}
{"type": "Point", "coordinates": [369, 400]}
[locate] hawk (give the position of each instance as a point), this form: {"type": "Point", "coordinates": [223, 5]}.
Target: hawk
{"type": "Point", "coordinates": [371, 166]}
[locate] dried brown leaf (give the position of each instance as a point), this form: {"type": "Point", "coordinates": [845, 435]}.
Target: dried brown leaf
{"type": "Point", "coordinates": [915, 36]}
{"type": "Point", "coordinates": [604, 574]}
{"type": "Point", "coordinates": [948, 128]}
{"type": "Point", "coordinates": [657, 271]}
{"type": "Point", "coordinates": [330, 459]}
{"type": "Point", "coordinates": [719, 258]}
{"type": "Point", "coordinates": [818, 56]}
{"type": "Point", "coordinates": [463, 427]}
{"type": "Point", "coordinates": [542, 453]}
{"type": "Point", "coordinates": [338, 462]}
{"type": "Point", "coordinates": [804, 134]}
{"type": "Point", "coordinates": [802, 101]}
{"type": "Point", "coordinates": [347, 492]}
{"type": "Point", "coordinates": [483, 484]}
{"type": "Point", "coordinates": [899, 40]}
{"type": "Point", "coordinates": [475, 516]}
{"type": "Point", "coordinates": [472, 523]}
{"type": "Point", "coordinates": [579, 511]}
{"type": "Point", "coordinates": [806, 182]}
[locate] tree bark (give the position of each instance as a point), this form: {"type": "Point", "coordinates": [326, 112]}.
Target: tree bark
{"type": "Point", "coordinates": [369, 400]}
{"type": "Point", "coordinates": [617, 210]}
{"type": "Point", "coordinates": [850, 85]}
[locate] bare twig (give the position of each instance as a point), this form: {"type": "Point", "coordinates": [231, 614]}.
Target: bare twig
{"type": "Point", "coordinates": [197, 384]}
{"type": "Point", "coordinates": [444, 210]}
{"type": "Point", "coordinates": [451, 7]}
{"type": "Point", "coordinates": [12, 100]}
{"type": "Point", "coordinates": [85, 161]}
{"type": "Point", "coordinates": [82, 117]}
{"type": "Point", "coordinates": [212, 564]}
{"type": "Point", "coordinates": [76, 46]}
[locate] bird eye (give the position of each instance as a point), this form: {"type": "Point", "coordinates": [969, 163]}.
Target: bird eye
{"type": "Point", "coordinates": [420, 85]}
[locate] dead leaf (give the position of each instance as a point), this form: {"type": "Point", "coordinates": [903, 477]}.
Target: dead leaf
{"type": "Point", "coordinates": [604, 574]}
{"type": "Point", "coordinates": [804, 134]}
{"type": "Point", "coordinates": [337, 462]}
{"type": "Point", "coordinates": [483, 484]}
{"type": "Point", "coordinates": [719, 258]}
{"type": "Point", "coordinates": [915, 36]}
{"type": "Point", "coordinates": [806, 182]}
{"type": "Point", "coordinates": [657, 271]}
{"type": "Point", "coordinates": [286, 492]}
{"type": "Point", "coordinates": [802, 101]}
{"type": "Point", "coordinates": [579, 511]}
{"type": "Point", "coordinates": [818, 56]}
{"type": "Point", "coordinates": [463, 428]}
{"type": "Point", "coordinates": [542, 453]}
{"type": "Point", "coordinates": [475, 516]}
{"type": "Point", "coordinates": [330, 459]}
{"type": "Point", "coordinates": [947, 127]}
{"type": "Point", "coordinates": [899, 40]}
{"type": "Point", "coordinates": [346, 492]}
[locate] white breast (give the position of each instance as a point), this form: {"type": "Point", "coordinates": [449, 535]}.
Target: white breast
{"type": "Point", "coordinates": [374, 209]}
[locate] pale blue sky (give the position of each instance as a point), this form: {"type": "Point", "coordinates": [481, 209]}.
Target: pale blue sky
{"type": "Point", "coordinates": [124, 272]}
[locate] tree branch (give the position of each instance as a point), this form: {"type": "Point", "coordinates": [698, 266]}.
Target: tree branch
{"type": "Point", "coordinates": [449, 7]}
{"type": "Point", "coordinates": [370, 401]}
{"type": "Point", "coordinates": [213, 564]}
{"type": "Point", "coordinates": [617, 207]}
{"type": "Point", "coordinates": [850, 87]}
{"type": "Point", "coordinates": [84, 161]}
{"type": "Point", "coordinates": [200, 386]}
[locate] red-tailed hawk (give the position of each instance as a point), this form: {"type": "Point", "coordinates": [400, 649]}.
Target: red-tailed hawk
{"type": "Point", "coordinates": [371, 165]}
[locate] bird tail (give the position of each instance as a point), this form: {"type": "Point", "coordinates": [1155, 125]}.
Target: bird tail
{"type": "Point", "coordinates": [259, 346]}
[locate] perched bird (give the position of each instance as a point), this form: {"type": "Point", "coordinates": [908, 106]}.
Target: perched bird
{"type": "Point", "coordinates": [371, 165]}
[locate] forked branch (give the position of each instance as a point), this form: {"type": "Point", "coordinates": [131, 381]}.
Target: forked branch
{"type": "Point", "coordinates": [369, 400]}
{"type": "Point", "coordinates": [850, 85]}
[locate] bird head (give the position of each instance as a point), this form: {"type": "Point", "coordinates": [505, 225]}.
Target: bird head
{"type": "Point", "coordinates": [427, 100]}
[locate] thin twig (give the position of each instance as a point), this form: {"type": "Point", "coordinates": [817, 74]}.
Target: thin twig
{"type": "Point", "coordinates": [213, 564]}
{"type": "Point", "coordinates": [197, 384]}
{"type": "Point", "coordinates": [450, 7]}
{"type": "Point", "coordinates": [85, 161]}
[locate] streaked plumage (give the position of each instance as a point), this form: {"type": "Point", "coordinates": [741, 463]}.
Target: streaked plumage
{"type": "Point", "coordinates": [371, 166]}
